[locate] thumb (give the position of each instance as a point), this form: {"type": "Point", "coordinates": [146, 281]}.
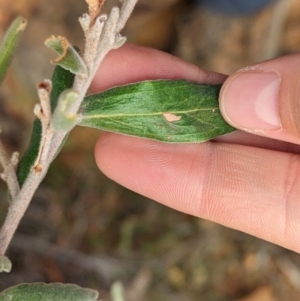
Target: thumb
{"type": "Point", "coordinates": [264, 99]}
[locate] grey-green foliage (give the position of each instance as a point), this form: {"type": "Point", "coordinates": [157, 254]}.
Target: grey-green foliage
{"type": "Point", "coordinates": [10, 43]}
{"type": "Point", "coordinates": [48, 292]}
{"type": "Point", "coordinates": [61, 80]}
{"type": "Point", "coordinates": [165, 110]}
{"type": "Point", "coordinates": [69, 57]}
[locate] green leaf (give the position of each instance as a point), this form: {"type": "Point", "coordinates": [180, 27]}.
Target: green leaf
{"type": "Point", "coordinates": [9, 44]}
{"type": "Point", "coordinates": [31, 153]}
{"type": "Point", "coordinates": [48, 292]}
{"type": "Point", "coordinates": [69, 57]}
{"type": "Point", "coordinates": [165, 110]}
{"type": "Point", "coordinates": [61, 80]}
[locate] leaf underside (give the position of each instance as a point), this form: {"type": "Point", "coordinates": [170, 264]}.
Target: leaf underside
{"type": "Point", "coordinates": [164, 110]}
{"type": "Point", "coordinates": [47, 292]}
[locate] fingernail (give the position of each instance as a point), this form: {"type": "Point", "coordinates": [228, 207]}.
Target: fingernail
{"type": "Point", "coordinates": [250, 101]}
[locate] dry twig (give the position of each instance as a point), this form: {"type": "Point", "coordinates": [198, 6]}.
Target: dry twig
{"type": "Point", "coordinates": [94, 8]}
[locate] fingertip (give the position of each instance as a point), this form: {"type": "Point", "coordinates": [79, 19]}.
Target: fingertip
{"type": "Point", "coordinates": [263, 99]}
{"type": "Point", "coordinates": [250, 101]}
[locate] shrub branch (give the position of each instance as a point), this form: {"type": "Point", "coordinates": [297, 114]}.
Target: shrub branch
{"type": "Point", "coordinates": [9, 172]}
{"type": "Point", "coordinates": [102, 34]}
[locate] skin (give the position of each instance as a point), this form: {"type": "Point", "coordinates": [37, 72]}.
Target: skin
{"type": "Point", "coordinates": [244, 181]}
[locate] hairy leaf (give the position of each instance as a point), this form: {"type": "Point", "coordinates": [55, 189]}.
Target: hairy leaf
{"type": "Point", "coordinates": [165, 110]}
{"type": "Point", "coordinates": [69, 57]}
{"type": "Point", "coordinates": [62, 120]}
{"type": "Point", "coordinates": [10, 43]}
{"type": "Point", "coordinates": [47, 292]}
{"type": "Point", "coordinates": [61, 80]}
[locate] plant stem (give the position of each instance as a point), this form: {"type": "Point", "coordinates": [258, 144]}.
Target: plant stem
{"type": "Point", "coordinates": [22, 200]}
{"type": "Point", "coordinates": [9, 172]}
{"type": "Point", "coordinates": [95, 51]}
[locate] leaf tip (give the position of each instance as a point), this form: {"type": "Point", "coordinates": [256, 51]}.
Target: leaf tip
{"type": "Point", "coordinates": [59, 44]}
{"type": "Point", "coordinates": [22, 24]}
{"type": "Point", "coordinates": [68, 56]}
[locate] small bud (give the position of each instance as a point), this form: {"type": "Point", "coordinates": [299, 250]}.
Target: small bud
{"type": "Point", "coordinates": [37, 110]}
{"type": "Point", "coordinates": [103, 18]}
{"type": "Point", "coordinates": [119, 41]}
{"type": "Point", "coordinates": [63, 119]}
{"type": "Point", "coordinates": [5, 264]}
{"type": "Point", "coordinates": [15, 158]}
{"type": "Point", "coordinates": [85, 22]}
{"type": "Point", "coordinates": [38, 168]}
{"type": "Point", "coordinates": [44, 90]}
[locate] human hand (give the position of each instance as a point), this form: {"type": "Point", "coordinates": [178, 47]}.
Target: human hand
{"type": "Point", "coordinates": [243, 181]}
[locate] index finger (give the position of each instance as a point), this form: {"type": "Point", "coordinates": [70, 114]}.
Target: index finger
{"type": "Point", "coordinates": [132, 63]}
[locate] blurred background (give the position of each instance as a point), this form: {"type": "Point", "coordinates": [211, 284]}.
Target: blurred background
{"type": "Point", "coordinates": [83, 228]}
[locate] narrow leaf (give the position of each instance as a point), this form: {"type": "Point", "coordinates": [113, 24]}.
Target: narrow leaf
{"type": "Point", "coordinates": [61, 80]}
{"type": "Point", "coordinates": [47, 292]}
{"type": "Point", "coordinates": [68, 58]}
{"type": "Point", "coordinates": [5, 264]}
{"type": "Point", "coordinates": [165, 110]}
{"type": "Point", "coordinates": [10, 43]}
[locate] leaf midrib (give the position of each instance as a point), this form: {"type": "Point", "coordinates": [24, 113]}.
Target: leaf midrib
{"type": "Point", "coordinates": [147, 114]}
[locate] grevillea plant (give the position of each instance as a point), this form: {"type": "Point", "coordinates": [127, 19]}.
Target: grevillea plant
{"type": "Point", "coordinates": [165, 110]}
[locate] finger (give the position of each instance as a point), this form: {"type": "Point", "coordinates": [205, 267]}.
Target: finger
{"type": "Point", "coordinates": [132, 63]}
{"type": "Point", "coordinates": [264, 99]}
{"type": "Point", "coordinates": [247, 139]}
{"type": "Point", "coordinates": [252, 190]}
